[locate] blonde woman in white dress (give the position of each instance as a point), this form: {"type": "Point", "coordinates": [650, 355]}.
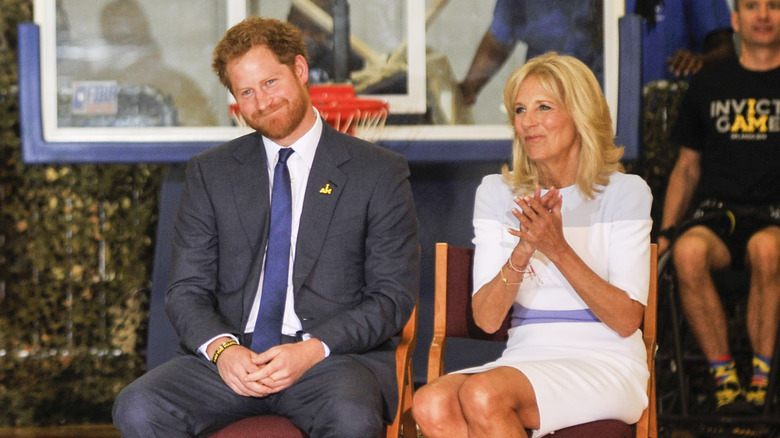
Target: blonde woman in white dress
{"type": "Point", "coordinates": [563, 239]}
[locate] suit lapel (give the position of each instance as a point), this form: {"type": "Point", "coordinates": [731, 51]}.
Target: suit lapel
{"type": "Point", "coordinates": [249, 176]}
{"type": "Point", "coordinates": [323, 190]}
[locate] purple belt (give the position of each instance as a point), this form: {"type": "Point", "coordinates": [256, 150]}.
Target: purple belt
{"type": "Point", "coordinates": [523, 315]}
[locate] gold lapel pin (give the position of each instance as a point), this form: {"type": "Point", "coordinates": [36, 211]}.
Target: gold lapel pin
{"type": "Point", "coordinates": [326, 190]}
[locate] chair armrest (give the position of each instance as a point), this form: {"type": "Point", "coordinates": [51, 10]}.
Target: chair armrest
{"type": "Point", "coordinates": [436, 356]}
{"type": "Point", "coordinates": [405, 378]}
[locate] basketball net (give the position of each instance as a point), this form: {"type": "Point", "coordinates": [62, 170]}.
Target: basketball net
{"type": "Point", "coordinates": [342, 109]}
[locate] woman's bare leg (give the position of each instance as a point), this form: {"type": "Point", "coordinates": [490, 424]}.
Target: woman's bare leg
{"type": "Point", "coordinates": [436, 408]}
{"type": "Point", "coordinates": [499, 402]}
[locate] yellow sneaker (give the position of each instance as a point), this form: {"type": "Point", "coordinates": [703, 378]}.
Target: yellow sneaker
{"type": "Point", "coordinates": [731, 400]}
{"type": "Point", "coordinates": [756, 395]}
{"type": "Point", "coordinates": [727, 393]}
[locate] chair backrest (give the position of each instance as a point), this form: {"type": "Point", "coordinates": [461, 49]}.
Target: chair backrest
{"type": "Point", "coordinates": [453, 318]}
{"type": "Point", "coordinates": [454, 281]}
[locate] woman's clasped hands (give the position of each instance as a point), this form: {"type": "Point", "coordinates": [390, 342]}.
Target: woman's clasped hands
{"type": "Point", "coordinates": [540, 224]}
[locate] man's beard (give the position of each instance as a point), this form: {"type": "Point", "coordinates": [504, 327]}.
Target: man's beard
{"type": "Point", "coordinates": [282, 120]}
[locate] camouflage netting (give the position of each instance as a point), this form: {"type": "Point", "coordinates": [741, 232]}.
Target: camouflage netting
{"type": "Point", "coordinates": [76, 244]}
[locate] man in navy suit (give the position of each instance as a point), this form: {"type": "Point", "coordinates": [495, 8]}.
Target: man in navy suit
{"type": "Point", "coordinates": [354, 265]}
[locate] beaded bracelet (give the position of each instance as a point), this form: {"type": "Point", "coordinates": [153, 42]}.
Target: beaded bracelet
{"type": "Point", "coordinates": [527, 270]}
{"type": "Point", "coordinates": [512, 266]}
{"type": "Point", "coordinates": [222, 348]}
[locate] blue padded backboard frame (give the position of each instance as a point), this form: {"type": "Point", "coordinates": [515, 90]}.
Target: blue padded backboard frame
{"type": "Point", "coordinates": [629, 131]}
{"type": "Point", "coordinates": [35, 148]}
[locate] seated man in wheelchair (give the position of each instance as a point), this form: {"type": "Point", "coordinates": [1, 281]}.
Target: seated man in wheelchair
{"type": "Point", "coordinates": [729, 134]}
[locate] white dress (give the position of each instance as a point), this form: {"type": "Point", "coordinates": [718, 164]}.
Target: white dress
{"type": "Point", "coordinates": [581, 371]}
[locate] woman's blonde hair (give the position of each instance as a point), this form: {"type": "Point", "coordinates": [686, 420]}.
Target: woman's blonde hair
{"type": "Point", "coordinates": [572, 84]}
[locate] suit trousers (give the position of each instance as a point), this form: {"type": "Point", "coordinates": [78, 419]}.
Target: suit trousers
{"type": "Point", "coordinates": [186, 397]}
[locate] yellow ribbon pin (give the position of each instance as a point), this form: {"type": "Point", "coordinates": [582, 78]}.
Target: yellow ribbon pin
{"type": "Point", "coordinates": [326, 190]}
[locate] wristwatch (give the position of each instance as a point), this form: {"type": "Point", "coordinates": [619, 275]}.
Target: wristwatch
{"type": "Point", "coordinates": [301, 336]}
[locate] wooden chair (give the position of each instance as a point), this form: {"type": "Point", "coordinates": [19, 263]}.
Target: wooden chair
{"type": "Point", "coordinates": [452, 318]}
{"type": "Point", "coordinates": [647, 426]}
{"type": "Point", "coordinates": [276, 426]}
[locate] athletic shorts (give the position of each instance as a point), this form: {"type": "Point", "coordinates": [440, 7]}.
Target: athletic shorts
{"type": "Point", "coordinates": [734, 223]}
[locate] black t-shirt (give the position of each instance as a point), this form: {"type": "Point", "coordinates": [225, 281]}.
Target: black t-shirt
{"type": "Point", "coordinates": [732, 117]}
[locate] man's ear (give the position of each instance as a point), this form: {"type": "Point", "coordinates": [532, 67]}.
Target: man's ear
{"type": "Point", "coordinates": [302, 69]}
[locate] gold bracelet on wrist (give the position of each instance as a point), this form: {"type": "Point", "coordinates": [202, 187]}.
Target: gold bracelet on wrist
{"type": "Point", "coordinates": [506, 282]}
{"type": "Point", "coordinates": [222, 348]}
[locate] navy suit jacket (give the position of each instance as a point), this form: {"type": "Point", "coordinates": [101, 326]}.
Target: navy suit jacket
{"type": "Point", "coordinates": [356, 270]}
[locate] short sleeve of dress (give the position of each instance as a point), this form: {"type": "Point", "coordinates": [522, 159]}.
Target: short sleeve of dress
{"type": "Point", "coordinates": [627, 203]}
{"type": "Point", "coordinates": [492, 217]}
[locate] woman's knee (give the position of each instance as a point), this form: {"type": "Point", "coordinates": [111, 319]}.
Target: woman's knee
{"type": "Point", "coordinates": [430, 404]}
{"type": "Point", "coordinates": [487, 399]}
{"type": "Point", "coordinates": [478, 398]}
{"type": "Point", "coordinates": [437, 405]}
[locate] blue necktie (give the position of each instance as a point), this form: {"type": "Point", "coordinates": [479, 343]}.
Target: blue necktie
{"type": "Point", "coordinates": [268, 328]}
